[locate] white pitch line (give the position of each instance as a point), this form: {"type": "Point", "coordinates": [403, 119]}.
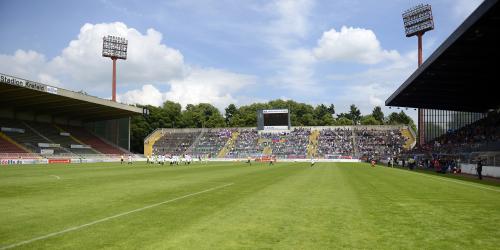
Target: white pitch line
{"type": "Point", "coordinates": [57, 177]}
{"type": "Point", "coordinates": [110, 218]}
{"type": "Point", "coordinates": [454, 181]}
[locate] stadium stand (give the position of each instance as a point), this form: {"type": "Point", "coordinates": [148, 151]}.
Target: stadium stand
{"type": "Point", "coordinates": [32, 116]}
{"type": "Point", "coordinates": [246, 145]}
{"type": "Point", "coordinates": [460, 113]}
{"type": "Point", "coordinates": [95, 142]}
{"type": "Point", "coordinates": [379, 143]}
{"type": "Point", "coordinates": [482, 135]}
{"type": "Point", "coordinates": [8, 147]}
{"type": "Point", "coordinates": [229, 144]}
{"type": "Point", "coordinates": [335, 141]}
{"type": "Point", "coordinates": [290, 144]}
{"type": "Point", "coordinates": [210, 142]}
{"type": "Point", "coordinates": [20, 132]}
{"type": "Point", "coordinates": [176, 142]}
{"type": "Point", "coordinates": [297, 143]}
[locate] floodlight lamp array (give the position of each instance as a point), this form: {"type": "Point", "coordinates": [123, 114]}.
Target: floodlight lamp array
{"type": "Point", "coordinates": [418, 20]}
{"type": "Point", "coordinates": [114, 47]}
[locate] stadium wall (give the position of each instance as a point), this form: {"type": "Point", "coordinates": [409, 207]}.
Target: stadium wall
{"type": "Point", "coordinates": [487, 170]}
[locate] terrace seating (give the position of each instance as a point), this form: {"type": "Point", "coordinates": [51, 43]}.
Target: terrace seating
{"type": "Point", "coordinates": [27, 138]}
{"type": "Point", "coordinates": [8, 147]}
{"type": "Point", "coordinates": [336, 141]}
{"type": "Point", "coordinates": [51, 132]}
{"type": "Point", "coordinates": [246, 145]}
{"type": "Point", "coordinates": [297, 143]}
{"type": "Point", "coordinates": [291, 144]}
{"type": "Point", "coordinates": [89, 139]}
{"type": "Point", "coordinates": [174, 143]}
{"type": "Point", "coordinates": [482, 135]}
{"type": "Point", "coordinates": [379, 143]}
{"type": "Point", "coordinates": [211, 142]}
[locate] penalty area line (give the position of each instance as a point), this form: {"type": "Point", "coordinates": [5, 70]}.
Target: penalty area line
{"type": "Point", "coordinates": [110, 218]}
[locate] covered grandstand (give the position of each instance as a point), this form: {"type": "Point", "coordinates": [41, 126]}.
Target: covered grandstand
{"type": "Point", "coordinates": [455, 86]}
{"type": "Point", "coordinates": [40, 121]}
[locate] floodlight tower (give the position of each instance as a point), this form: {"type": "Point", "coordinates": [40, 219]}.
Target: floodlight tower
{"type": "Point", "coordinates": [115, 48]}
{"type": "Point", "coordinates": [417, 21]}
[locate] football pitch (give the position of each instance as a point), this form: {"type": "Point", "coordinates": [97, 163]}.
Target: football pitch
{"type": "Point", "coordinates": [233, 205]}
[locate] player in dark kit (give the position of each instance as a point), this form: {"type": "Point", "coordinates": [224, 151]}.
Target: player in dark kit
{"type": "Point", "coordinates": [271, 161]}
{"type": "Point", "coordinates": [479, 169]}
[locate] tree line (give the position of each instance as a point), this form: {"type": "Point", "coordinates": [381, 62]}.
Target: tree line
{"type": "Point", "coordinates": [204, 115]}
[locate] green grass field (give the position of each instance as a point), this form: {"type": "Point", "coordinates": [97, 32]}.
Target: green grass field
{"type": "Point", "coordinates": [231, 205]}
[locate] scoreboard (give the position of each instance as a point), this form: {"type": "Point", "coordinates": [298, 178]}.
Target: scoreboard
{"type": "Point", "coordinates": [273, 119]}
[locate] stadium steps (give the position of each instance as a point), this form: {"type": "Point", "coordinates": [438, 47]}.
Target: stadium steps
{"type": "Point", "coordinates": [195, 142]}
{"type": "Point", "coordinates": [56, 150]}
{"type": "Point", "coordinates": [99, 144]}
{"type": "Point", "coordinates": [410, 142]}
{"type": "Point", "coordinates": [312, 147]}
{"type": "Point", "coordinates": [267, 151]}
{"type": "Point", "coordinates": [150, 141]}
{"type": "Point", "coordinates": [8, 145]}
{"type": "Point", "coordinates": [229, 144]}
{"type": "Point", "coordinates": [354, 142]}
{"type": "Point", "coordinates": [74, 138]}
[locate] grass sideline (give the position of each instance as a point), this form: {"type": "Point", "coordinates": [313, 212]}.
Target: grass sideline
{"type": "Point", "coordinates": [288, 205]}
{"type": "Point", "coordinates": [463, 177]}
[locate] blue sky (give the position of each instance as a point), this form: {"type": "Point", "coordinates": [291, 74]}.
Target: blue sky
{"type": "Point", "coordinates": [222, 52]}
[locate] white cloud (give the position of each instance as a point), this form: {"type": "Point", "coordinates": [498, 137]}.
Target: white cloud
{"type": "Point", "coordinates": [297, 71]}
{"type": "Point", "coordinates": [80, 66]}
{"type": "Point", "coordinates": [27, 64]}
{"type": "Point", "coordinates": [147, 95]}
{"type": "Point", "coordinates": [294, 65]}
{"type": "Point", "coordinates": [292, 17]}
{"type": "Point", "coordinates": [351, 44]}
{"type": "Point", "coordinates": [150, 66]}
{"type": "Point", "coordinates": [212, 86]}
{"type": "Point", "coordinates": [148, 60]}
{"type": "Point", "coordinates": [373, 86]}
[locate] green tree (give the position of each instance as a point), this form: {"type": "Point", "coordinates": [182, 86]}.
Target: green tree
{"type": "Point", "coordinates": [353, 115]}
{"type": "Point", "coordinates": [378, 114]}
{"type": "Point", "coordinates": [369, 120]}
{"type": "Point", "coordinates": [401, 119]}
{"type": "Point", "coordinates": [308, 120]}
{"type": "Point", "coordinates": [319, 112]}
{"type": "Point", "coordinates": [343, 121]}
{"type": "Point", "coordinates": [172, 114]}
{"type": "Point", "coordinates": [202, 115]}
{"type": "Point", "coordinates": [139, 129]}
{"type": "Point", "coordinates": [327, 120]}
{"type": "Point", "coordinates": [231, 111]}
{"type": "Point", "coordinates": [331, 109]}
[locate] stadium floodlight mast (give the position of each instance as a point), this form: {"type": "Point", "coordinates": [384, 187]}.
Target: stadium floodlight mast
{"type": "Point", "coordinates": [115, 48]}
{"type": "Point", "coordinates": [418, 20]}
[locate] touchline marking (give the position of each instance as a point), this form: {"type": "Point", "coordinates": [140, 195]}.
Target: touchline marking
{"type": "Point", "coordinates": [57, 177]}
{"type": "Point", "coordinates": [458, 182]}
{"type": "Point", "coordinates": [111, 217]}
